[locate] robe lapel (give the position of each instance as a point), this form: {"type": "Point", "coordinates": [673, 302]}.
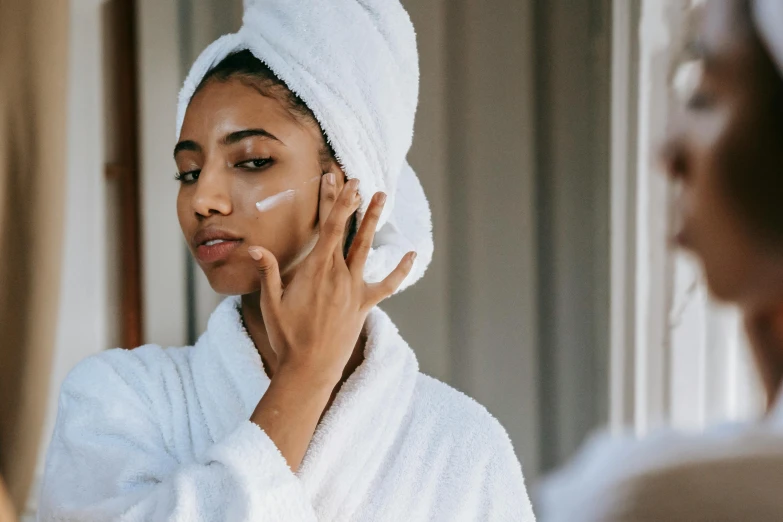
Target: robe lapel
{"type": "Point", "coordinates": [354, 437]}
{"type": "Point", "coordinates": [356, 434]}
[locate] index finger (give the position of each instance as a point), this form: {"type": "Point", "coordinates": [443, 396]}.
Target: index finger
{"type": "Point", "coordinates": [327, 198]}
{"type": "Point", "coordinates": [333, 230]}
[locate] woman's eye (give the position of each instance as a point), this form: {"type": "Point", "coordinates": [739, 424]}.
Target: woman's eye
{"type": "Point", "coordinates": [689, 86]}
{"type": "Point", "coordinates": [187, 177]}
{"type": "Point", "coordinates": [699, 101]}
{"type": "Point", "coordinates": [257, 163]}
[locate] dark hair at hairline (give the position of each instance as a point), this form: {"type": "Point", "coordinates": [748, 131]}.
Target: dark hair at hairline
{"type": "Point", "coordinates": [245, 67]}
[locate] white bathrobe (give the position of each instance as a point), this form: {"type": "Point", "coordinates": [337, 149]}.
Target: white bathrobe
{"type": "Point", "coordinates": [163, 434]}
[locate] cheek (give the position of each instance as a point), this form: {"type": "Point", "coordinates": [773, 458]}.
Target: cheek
{"type": "Point", "coordinates": [714, 228]}
{"type": "Point", "coordinates": [281, 219]}
{"type": "Point", "coordinates": [711, 233]}
{"type": "Point", "coordinates": [185, 216]}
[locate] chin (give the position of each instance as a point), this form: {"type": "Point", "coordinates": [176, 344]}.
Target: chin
{"type": "Point", "coordinates": [720, 290]}
{"type": "Point", "coordinates": [227, 280]}
{"type": "Point", "coordinates": [726, 284]}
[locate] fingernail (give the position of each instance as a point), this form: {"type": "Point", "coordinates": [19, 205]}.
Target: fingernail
{"type": "Point", "coordinates": [380, 198]}
{"type": "Point", "coordinates": [256, 253]}
{"type": "Point", "coordinates": [353, 184]}
{"type": "Point", "coordinates": [330, 179]}
{"type": "Point", "coordinates": [413, 256]}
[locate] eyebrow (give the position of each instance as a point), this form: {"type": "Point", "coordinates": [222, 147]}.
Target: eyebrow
{"type": "Point", "coordinates": [186, 145]}
{"type": "Point", "coordinates": [229, 139]}
{"type": "Point", "coordinates": [236, 137]}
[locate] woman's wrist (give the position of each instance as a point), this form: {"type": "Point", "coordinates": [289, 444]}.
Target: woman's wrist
{"type": "Point", "coordinates": [312, 376]}
{"type": "Point", "coordinates": [290, 409]}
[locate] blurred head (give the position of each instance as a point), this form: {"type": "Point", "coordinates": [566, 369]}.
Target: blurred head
{"type": "Point", "coordinates": [249, 159]}
{"type": "Point", "coordinates": [726, 151]}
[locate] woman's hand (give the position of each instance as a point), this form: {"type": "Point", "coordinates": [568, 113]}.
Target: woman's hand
{"type": "Point", "coordinates": [314, 322]}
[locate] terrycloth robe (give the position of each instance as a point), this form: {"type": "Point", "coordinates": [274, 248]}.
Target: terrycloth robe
{"type": "Point", "coordinates": [163, 434]}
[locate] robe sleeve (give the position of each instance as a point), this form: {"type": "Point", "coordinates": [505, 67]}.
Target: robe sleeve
{"type": "Point", "coordinates": [110, 459]}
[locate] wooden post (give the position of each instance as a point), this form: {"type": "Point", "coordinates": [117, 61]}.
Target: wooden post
{"type": "Point", "coordinates": [123, 70]}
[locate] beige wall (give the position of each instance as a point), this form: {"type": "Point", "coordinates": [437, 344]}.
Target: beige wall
{"type": "Point", "coordinates": [472, 320]}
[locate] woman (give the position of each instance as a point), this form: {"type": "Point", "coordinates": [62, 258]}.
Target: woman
{"type": "Point", "coordinates": [300, 401]}
{"type": "Point", "coordinates": [726, 153]}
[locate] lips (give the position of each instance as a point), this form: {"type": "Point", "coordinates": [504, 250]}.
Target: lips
{"type": "Point", "coordinates": [214, 244]}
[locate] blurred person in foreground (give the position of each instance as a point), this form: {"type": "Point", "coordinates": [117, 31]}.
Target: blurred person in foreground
{"type": "Point", "coordinates": [725, 149]}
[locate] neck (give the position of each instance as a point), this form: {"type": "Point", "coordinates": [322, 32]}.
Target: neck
{"type": "Point", "coordinates": [764, 326]}
{"type": "Point", "coordinates": [254, 324]}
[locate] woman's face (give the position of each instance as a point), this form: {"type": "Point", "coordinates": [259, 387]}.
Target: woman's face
{"type": "Point", "coordinates": [720, 146]}
{"type": "Point", "coordinates": [249, 173]}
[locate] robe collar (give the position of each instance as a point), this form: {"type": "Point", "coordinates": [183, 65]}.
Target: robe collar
{"type": "Point", "coordinates": [358, 431]}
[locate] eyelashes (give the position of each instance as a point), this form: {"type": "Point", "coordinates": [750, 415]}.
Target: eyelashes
{"type": "Point", "coordinates": [187, 177]}
{"type": "Point", "coordinates": [251, 165]}
{"type": "Point", "coordinates": [699, 101]}
{"type": "Point", "coordinates": [254, 164]}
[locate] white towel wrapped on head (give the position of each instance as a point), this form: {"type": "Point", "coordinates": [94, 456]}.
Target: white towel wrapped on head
{"type": "Point", "coordinates": [355, 64]}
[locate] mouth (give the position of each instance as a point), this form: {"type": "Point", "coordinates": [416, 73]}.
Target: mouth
{"type": "Point", "coordinates": [213, 245]}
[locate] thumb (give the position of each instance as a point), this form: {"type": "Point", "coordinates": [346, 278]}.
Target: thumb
{"type": "Point", "coordinates": [271, 286]}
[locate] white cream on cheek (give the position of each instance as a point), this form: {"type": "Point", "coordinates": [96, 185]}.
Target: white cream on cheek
{"type": "Point", "coordinates": [282, 197]}
{"type": "Point", "coordinates": [273, 201]}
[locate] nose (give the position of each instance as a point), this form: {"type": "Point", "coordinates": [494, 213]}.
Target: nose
{"type": "Point", "coordinates": [213, 194]}
{"type": "Point", "coordinates": [674, 152]}
{"type": "Point", "coordinates": [674, 158]}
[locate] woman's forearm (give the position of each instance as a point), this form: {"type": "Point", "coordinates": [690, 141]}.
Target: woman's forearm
{"type": "Point", "coordinates": [290, 410]}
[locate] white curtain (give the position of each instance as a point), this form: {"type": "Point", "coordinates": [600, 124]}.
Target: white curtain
{"type": "Point", "coordinates": [33, 70]}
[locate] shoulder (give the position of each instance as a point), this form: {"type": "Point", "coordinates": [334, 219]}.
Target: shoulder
{"type": "Point", "coordinates": [480, 466]}
{"type": "Point", "coordinates": [119, 372]}
{"type": "Point", "coordinates": [456, 416]}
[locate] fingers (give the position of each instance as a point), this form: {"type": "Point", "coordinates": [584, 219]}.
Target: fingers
{"type": "Point", "coordinates": [333, 230]}
{"type": "Point", "coordinates": [362, 243]}
{"type": "Point", "coordinates": [379, 291]}
{"type": "Point", "coordinates": [269, 272]}
{"type": "Point", "coordinates": [327, 198]}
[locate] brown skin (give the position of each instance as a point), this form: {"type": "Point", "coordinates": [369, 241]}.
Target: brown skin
{"type": "Point", "coordinates": [723, 147]}
{"type": "Point", "coordinates": [303, 303]}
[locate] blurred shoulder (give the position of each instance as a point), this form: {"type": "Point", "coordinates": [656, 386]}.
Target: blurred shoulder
{"type": "Point", "coordinates": [667, 476]}
{"type": "Point", "coordinates": [734, 484]}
